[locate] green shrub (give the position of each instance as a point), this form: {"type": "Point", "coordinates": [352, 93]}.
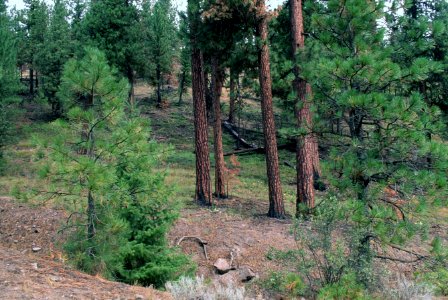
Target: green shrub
{"type": "Point", "coordinates": [286, 283]}
{"type": "Point", "coordinates": [346, 288]}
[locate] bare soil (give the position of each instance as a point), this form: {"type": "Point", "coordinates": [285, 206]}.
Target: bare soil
{"type": "Point", "coordinates": [42, 274]}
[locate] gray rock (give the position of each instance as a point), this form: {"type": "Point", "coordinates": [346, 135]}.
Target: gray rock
{"type": "Point", "coordinates": [36, 249]}
{"type": "Point", "coordinates": [222, 266]}
{"type": "Point", "coordinates": [229, 279]}
{"type": "Point", "coordinates": [246, 274]}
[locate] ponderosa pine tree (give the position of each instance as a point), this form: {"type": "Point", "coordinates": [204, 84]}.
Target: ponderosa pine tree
{"type": "Point", "coordinates": [218, 77]}
{"type": "Point", "coordinates": [384, 141]}
{"type": "Point", "coordinates": [220, 27]}
{"type": "Point", "coordinates": [307, 154]}
{"type": "Point", "coordinates": [9, 79]}
{"type": "Point", "coordinates": [54, 53]}
{"type": "Point", "coordinates": [184, 75]}
{"type": "Point", "coordinates": [106, 169]}
{"type": "Point", "coordinates": [159, 41]}
{"type": "Point", "coordinates": [110, 25]}
{"type": "Point", "coordinates": [276, 206]}
{"type": "Point", "coordinates": [203, 192]}
{"type": "Point", "coordinates": [421, 32]}
{"type": "Point", "coordinates": [36, 23]}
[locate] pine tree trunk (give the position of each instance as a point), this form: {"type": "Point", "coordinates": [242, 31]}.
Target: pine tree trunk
{"type": "Point", "coordinates": [131, 95]}
{"type": "Point", "coordinates": [91, 216]}
{"type": "Point", "coordinates": [203, 189]}
{"type": "Point", "coordinates": [307, 155]}
{"type": "Point", "coordinates": [232, 99]}
{"type": "Point", "coordinates": [91, 211]}
{"type": "Point", "coordinates": [208, 94]}
{"type": "Point", "coordinates": [217, 83]}
{"type": "Point", "coordinates": [159, 95]}
{"type": "Point", "coordinates": [31, 82]}
{"type": "Point", "coordinates": [181, 88]}
{"type": "Point", "coordinates": [276, 206]}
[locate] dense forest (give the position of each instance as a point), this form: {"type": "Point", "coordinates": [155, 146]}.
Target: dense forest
{"type": "Point", "coordinates": [231, 151]}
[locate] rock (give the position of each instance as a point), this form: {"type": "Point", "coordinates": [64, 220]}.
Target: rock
{"type": "Point", "coordinates": [16, 241]}
{"type": "Point", "coordinates": [34, 265]}
{"type": "Point", "coordinates": [36, 249]}
{"type": "Point", "coordinates": [222, 266]}
{"type": "Point", "coordinates": [229, 279]}
{"type": "Point", "coordinates": [139, 297]}
{"type": "Point", "coordinates": [55, 278]}
{"type": "Point", "coordinates": [246, 274]}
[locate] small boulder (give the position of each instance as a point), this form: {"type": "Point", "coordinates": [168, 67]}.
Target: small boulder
{"type": "Point", "coordinates": [36, 249]}
{"type": "Point", "coordinates": [246, 274]}
{"type": "Point", "coordinates": [229, 279]}
{"type": "Point", "coordinates": [222, 266]}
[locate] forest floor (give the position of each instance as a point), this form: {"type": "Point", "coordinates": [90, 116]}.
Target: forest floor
{"type": "Point", "coordinates": [32, 265]}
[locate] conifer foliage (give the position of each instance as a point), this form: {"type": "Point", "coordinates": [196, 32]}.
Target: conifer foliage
{"type": "Point", "coordinates": [103, 164]}
{"type": "Point", "coordinates": [9, 80]}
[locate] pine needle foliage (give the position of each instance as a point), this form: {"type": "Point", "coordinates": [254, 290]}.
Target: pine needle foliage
{"type": "Point", "coordinates": [106, 170]}
{"type": "Point", "coordinates": [9, 80]}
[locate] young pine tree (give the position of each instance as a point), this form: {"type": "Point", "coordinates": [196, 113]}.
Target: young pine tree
{"type": "Point", "coordinates": [103, 166]}
{"type": "Point", "coordinates": [159, 41]}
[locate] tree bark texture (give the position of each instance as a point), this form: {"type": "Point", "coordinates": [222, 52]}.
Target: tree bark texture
{"type": "Point", "coordinates": [276, 206]}
{"type": "Point", "coordinates": [203, 189]}
{"type": "Point", "coordinates": [307, 155]}
{"type": "Point", "coordinates": [217, 83]}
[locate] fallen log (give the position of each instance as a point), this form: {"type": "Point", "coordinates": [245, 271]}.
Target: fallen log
{"type": "Point", "coordinates": [235, 134]}
{"type": "Point", "coordinates": [287, 163]}
{"type": "Point", "coordinates": [197, 239]}
{"type": "Point", "coordinates": [254, 150]}
{"type": "Point", "coordinates": [246, 151]}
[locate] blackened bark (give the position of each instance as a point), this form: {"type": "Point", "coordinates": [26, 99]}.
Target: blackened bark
{"type": "Point", "coordinates": [31, 82]}
{"type": "Point", "coordinates": [217, 83]}
{"type": "Point", "coordinates": [276, 206]}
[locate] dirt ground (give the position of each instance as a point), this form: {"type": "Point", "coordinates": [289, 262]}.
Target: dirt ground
{"type": "Point", "coordinates": [32, 268]}
{"type": "Point", "coordinates": [226, 232]}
